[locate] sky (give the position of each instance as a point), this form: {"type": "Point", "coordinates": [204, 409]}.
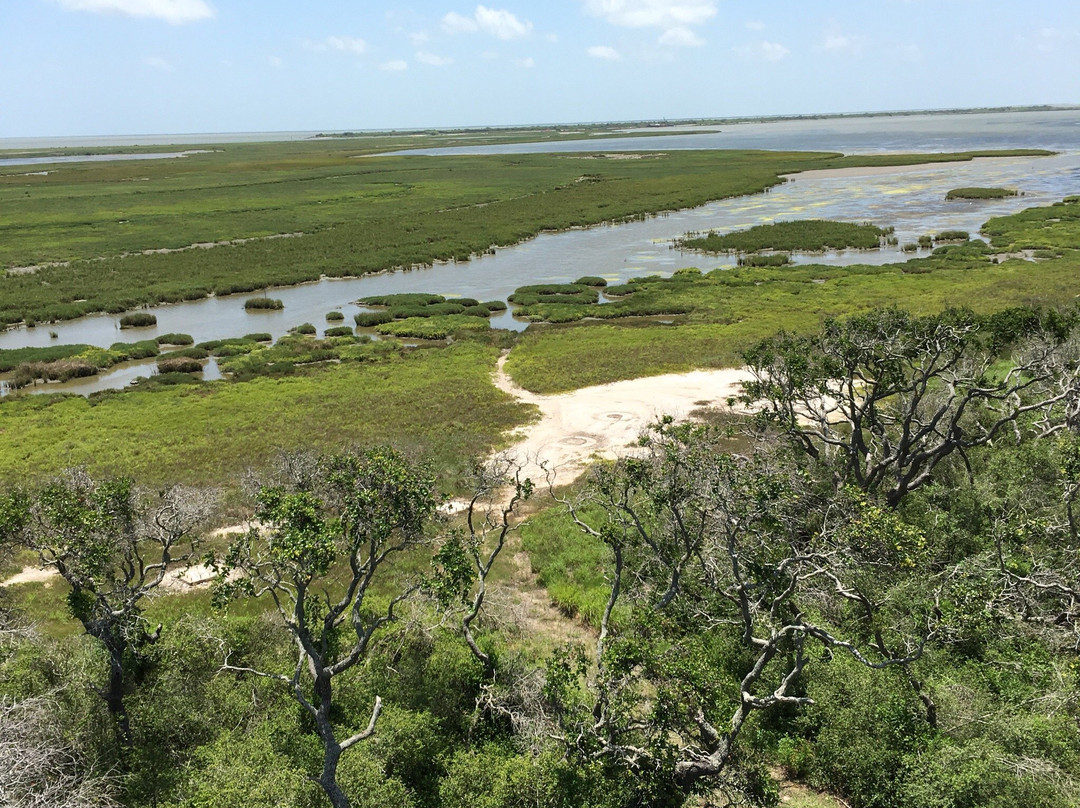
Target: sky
{"type": "Point", "coordinates": [111, 67]}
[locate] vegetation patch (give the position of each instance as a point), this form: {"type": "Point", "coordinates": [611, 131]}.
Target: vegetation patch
{"type": "Point", "coordinates": [174, 339]}
{"type": "Point", "coordinates": [139, 319]}
{"type": "Point", "coordinates": [335, 316]}
{"type": "Point", "coordinates": [178, 364]}
{"type": "Point", "coordinates": [981, 193]}
{"type": "Point", "coordinates": [263, 304]}
{"type": "Point", "coordinates": [803, 235]}
{"type": "Point", "coordinates": [436, 327]}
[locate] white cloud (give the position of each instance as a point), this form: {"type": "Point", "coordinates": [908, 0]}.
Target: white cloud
{"type": "Point", "coordinates": [345, 44]}
{"type": "Point", "coordinates": [527, 62]}
{"type": "Point", "coordinates": [276, 61]}
{"type": "Point", "coordinates": [418, 38]}
{"type": "Point", "coordinates": [394, 65]}
{"type": "Point", "coordinates": [769, 51]}
{"type": "Point", "coordinates": [603, 52]}
{"type": "Point", "coordinates": [680, 37]}
{"type": "Point", "coordinates": [433, 59]}
{"type": "Point", "coordinates": [755, 25]}
{"type": "Point", "coordinates": [665, 14]}
{"type": "Point", "coordinates": [454, 23]}
{"type": "Point", "coordinates": [841, 43]}
{"type": "Point", "coordinates": [498, 22]}
{"type": "Point", "coordinates": [175, 12]}
{"type": "Point", "coordinates": [158, 63]}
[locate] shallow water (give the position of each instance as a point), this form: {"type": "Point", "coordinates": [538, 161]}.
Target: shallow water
{"type": "Point", "coordinates": [92, 158]}
{"type": "Point", "coordinates": [912, 201]}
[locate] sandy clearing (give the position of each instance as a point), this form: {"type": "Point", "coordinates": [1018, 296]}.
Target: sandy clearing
{"type": "Point", "coordinates": [605, 421]}
{"type": "Point", "coordinates": [30, 575]}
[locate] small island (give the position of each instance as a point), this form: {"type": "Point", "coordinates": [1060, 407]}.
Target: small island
{"type": "Point", "coordinates": [804, 235]}
{"type": "Point", "coordinates": [981, 193]}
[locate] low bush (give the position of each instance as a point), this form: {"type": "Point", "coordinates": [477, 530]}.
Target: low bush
{"type": "Point", "coordinates": [258, 336]}
{"type": "Point", "coordinates": [404, 299]}
{"type": "Point", "coordinates": [369, 319]}
{"type": "Point", "coordinates": [768, 260]}
{"type": "Point", "coordinates": [334, 316]}
{"type": "Point", "coordinates": [263, 304]}
{"type": "Point", "coordinates": [175, 339]}
{"type": "Point", "coordinates": [339, 331]}
{"type": "Point", "coordinates": [304, 328]}
{"type": "Point", "coordinates": [139, 319]}
{"type": "Point", "coordinates": [590, 280]}
{"type": "Point", "coordinates": [952, 235]}
{"type": "Point", "coordinates": [981, 193]}
{"type": "Point", "coordinates": [178, 364]}
{"type": "Point", "coordinates": [803, 235]}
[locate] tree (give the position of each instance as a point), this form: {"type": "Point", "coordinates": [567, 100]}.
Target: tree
{"type": "Point", "coordinates": [885, 397]}
{"type": "Point", "coordinates": [331, 527]}
{"type": "Point", "coordinates": [38, 767]}
{"type": "Point", "coordinates": [728, 574]}
{"type": "Point", "coordinates": [113, 544]}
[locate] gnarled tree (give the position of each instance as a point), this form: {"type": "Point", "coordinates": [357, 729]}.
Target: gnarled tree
{"type": "Point", "coordinates": [885, 396]}
{"type": "Point", "coordinates": [330, 530]}
{"type": "Point", "coordinates": [726, 572]}
{"type": "Point", "coordinates": [113, 544]}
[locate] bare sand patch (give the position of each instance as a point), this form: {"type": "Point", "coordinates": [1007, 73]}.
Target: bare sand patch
{"type": "Point", "coordinates": [605, 421]}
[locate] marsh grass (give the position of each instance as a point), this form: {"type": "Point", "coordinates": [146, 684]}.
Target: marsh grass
{"type": "Point", "coordinates": [802, 235]}
{"type": "Point", "coordinates": [343, 216]}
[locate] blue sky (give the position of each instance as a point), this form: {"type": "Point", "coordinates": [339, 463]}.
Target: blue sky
{"type": "Point", "coordinates": [99, 67]}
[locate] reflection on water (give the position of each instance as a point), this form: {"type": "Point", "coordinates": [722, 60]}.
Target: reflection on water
{"type": "Point", "coordinates": [912, 201]}
{"type": "Point", "coordinates": [94, 158]}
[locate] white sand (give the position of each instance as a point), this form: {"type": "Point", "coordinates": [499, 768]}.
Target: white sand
{"type": "Point", "coordinates": [605, 421]}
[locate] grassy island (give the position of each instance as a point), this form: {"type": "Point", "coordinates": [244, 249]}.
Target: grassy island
{"type": "Point", "coordinates": [804, 235]}
{"type": "Point", "coordinates": [981, 193]}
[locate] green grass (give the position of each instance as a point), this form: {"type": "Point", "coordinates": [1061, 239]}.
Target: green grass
{"type": "Point", "coordinates": [803, 235]}
{"type": "Point", "coordinates": [981, 193]}
{"type": "Point", "coordinates": [431, 402]}
{"type": "Point", "coordinates": [345, 216]}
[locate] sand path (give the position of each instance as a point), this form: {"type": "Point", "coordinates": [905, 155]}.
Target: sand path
{"type": "Point", "coordinates": [605, 421]}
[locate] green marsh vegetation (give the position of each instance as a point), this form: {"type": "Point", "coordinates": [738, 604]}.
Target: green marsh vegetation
{"type": "Point", "coordinates": [263, 304]}
{"type": "Point", "coordinates": [287, 213]}
{"type": "Point", "coordinates": [981, 193]}
{"type": "Point", "coordinates": [802, 235]}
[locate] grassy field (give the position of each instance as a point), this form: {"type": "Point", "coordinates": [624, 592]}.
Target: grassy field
{"type": "Point", "coordinates": [76, 240]}
{"type": "Point", "coordinates": [438, 403]}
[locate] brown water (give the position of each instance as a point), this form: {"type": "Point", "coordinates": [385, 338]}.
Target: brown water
{"type": "Point", "coordinates": [912, 201]}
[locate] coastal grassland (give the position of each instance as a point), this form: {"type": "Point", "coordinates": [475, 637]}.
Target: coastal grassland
{"type": "Point", "coordinates": [1055, 226]}
{"type": "Point", "coordinates": [728, 310]}
{"type": "Point", "coordinates": [800, 235]}
{"type": "Point", "coordinates": [285, 213]}
{"type": "Point", "coordinates": [437, 403]}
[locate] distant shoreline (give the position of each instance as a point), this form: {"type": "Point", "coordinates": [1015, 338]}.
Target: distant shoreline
{"type": "Point", "coordinates": [189, 138]}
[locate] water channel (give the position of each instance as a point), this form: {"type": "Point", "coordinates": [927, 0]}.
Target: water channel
{"type": "Point", "coordinates": [911, 199]}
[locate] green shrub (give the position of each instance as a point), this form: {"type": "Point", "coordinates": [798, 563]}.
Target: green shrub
{"type": "Point", "coordinates": [494, 305]}
{"type": "Point", "coordinates": [803, 235]}
{"type": "Point", "coordinates": [178, 364]}
{"type": "Point", "coordinates": [335, 316]}
{"type": "Point", "coordinates": [981, 193]}
{"type": "Point", "coordinates": [263, 304]}
{"type": "Point", "coordinates": [139, 319]}
{"type": "Point", "coordinates": [952, 235]}
{"type": "Point", "coordinates": [174, 339]}
{"type": "Point", "coordinates": [304, 328]}
{"type": "Point", "coordinates": [369, 319]}
{"type": "Point", "coordinates": [768, 260]}
{"type": "Point", "coordinates": [590, 280]}
{"type": "Point", "coordinates": [258, 336]}
{"type": "Point", "coordinates": [403, 299]}
{"type": "Point", "coordinates": [339, 331]}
